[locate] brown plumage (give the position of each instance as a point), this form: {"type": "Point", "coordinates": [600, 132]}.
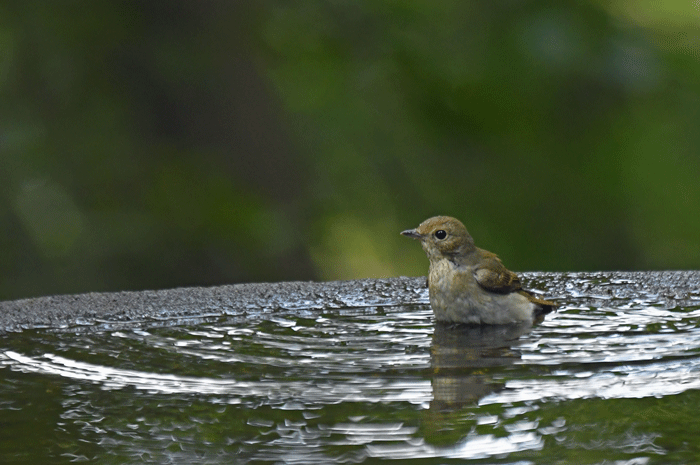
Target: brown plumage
{"type": "Point", "coordinates": [468, 284]}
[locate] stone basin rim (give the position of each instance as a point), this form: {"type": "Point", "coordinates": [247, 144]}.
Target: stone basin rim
{"type": "Point", "coordinates": [675, 288]}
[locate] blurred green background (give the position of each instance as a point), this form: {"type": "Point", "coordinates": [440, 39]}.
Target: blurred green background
{"type": "Point", "coordinates": [174, 143]}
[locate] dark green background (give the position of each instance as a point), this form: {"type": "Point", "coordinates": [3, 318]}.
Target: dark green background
{"type": "Point", "coordinates": [170, 143]}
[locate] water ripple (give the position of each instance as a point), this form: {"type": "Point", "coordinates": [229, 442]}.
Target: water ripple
{"type": "Point", "coordinates": [345, 385]}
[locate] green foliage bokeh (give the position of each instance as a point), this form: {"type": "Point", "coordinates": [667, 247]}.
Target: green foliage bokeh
{"type": "Point", "coordinates": [161, 144]}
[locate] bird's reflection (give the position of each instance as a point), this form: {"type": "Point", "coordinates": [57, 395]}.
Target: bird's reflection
{"type": "Point", "coordinates": [462, 357]}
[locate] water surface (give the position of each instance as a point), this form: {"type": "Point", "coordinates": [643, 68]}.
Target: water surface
{"type": "Point", "coordinates": [612, 383]}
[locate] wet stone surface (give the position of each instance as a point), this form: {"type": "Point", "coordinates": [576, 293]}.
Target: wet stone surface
{"type": "Point", "coordinates": [237, 299]}
{"type": "Point", "coordinates": [679, 288]}
{"type": "Point", "coordinates": [353, 372]}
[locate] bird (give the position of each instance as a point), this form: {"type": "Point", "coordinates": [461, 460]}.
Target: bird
{"type": "Point", "coordinates": [470, 285]}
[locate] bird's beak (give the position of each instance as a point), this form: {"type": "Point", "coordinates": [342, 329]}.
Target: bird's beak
{"type": "Point", "coordinates": [412, 233]}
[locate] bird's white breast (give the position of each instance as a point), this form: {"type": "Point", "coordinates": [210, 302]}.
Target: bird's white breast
{"type": "Point", "coordinates": [455, 296]}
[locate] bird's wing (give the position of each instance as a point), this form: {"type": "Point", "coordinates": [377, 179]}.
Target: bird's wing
{"type": "Point", "coordinates": [494, 277]}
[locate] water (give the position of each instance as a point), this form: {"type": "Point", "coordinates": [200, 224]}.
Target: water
{"type": "Point", "coordinates": [617, 382]}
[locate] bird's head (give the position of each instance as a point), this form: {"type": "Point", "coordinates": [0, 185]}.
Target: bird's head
{"type": "Point", "coordinates": [442, 237]}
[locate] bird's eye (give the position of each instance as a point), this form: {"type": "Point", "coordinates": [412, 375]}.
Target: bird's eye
{"type": "Point", "coordinates": [440, 234]}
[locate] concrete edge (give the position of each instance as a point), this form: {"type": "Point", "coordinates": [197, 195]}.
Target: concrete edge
{"type": "Point", "coordinates": [670, 288]}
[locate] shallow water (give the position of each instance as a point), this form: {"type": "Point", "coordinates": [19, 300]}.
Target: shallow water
{"type": "Point", "coordinates": [612, 383]}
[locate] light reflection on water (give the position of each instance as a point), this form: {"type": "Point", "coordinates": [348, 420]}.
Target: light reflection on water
{"type": "Point", "coordinates": [349, 385]}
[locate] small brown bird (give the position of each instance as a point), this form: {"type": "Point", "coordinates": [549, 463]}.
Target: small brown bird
{"type": "Point", "coordinates": [468, 284]}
